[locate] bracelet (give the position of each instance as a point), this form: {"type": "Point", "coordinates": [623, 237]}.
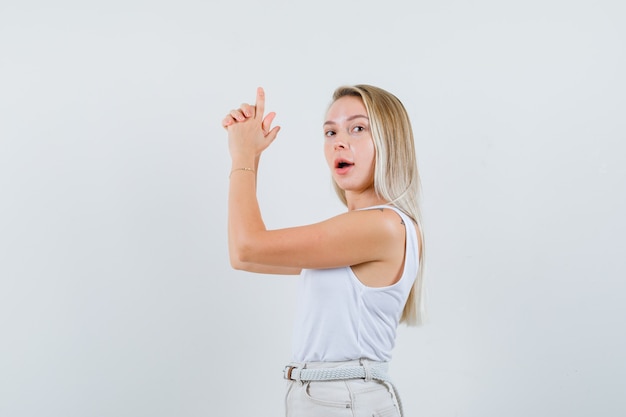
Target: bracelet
{"type": "Point", "coordinates": [240, 169]}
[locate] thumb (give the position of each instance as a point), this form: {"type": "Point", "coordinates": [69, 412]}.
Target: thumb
{"type": "Point", "coordinates": [271, 135]}
{"type": "Point", "coordinates": [267, 121]}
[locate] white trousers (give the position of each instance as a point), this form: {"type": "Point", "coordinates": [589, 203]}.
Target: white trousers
{"type": "Point", "coordinates": [345, 398]}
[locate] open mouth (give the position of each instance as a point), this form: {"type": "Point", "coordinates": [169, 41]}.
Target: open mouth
{"type": "Point", "coordinates": [343, 164]}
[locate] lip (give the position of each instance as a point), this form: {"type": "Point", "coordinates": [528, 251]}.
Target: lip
{"type": "Point", "coordinates": [339, 166]}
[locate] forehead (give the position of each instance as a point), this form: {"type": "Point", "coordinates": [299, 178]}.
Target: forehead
{"type": "Point", "coordinates": [345, 107]}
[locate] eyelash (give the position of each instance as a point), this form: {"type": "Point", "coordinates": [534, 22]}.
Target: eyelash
{"type": "Point", "coordinates": [330, 133]}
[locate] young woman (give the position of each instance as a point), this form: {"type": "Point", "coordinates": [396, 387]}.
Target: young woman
{"type": "Point", "coordinates": [360, 272]}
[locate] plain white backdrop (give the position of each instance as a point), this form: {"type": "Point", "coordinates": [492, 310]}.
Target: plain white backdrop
{"type": "Point", "coordinates": [116, 295]}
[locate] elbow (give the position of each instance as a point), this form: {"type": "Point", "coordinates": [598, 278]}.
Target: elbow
{"type": "Point", "coordinates": [237, 265]}
{"type": "Point", "coordinates": [240, 257]}
{"type": "Point", "coordinates": [245, 253]}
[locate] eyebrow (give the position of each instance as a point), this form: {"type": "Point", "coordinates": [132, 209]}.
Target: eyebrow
{"type": "Point", "coordinates": [349, 119]}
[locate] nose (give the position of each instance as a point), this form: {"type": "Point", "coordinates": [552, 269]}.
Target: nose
{"type": "Point", "coordinates": [340, 142]}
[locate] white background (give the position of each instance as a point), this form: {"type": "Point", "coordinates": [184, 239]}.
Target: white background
{"type": "Point", "coordinates": [116, 296]}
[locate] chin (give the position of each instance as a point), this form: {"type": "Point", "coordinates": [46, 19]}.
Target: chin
{"type": "Point", "coordinates": [350, 188]}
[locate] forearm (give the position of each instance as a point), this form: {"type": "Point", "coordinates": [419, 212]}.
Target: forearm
{"type": "Point", "coordinates": [244, 215]}
{"type": "Point", "coordinates": [265, 269]}
{"type": "Point", "coordinates": [249, 134]}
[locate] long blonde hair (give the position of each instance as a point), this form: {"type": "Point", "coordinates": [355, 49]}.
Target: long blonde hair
{"type": "Point", "coordinates": [396, 177]}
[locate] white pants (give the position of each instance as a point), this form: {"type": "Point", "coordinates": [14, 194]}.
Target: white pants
{"type": "Point", "coordinates": [345, 398]}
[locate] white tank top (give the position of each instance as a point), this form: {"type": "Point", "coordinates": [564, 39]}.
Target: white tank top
{"type": "Point", "coordinates": [338, 318]}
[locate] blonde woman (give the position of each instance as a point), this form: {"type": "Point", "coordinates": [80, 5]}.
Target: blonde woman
{"type": "Point", "coordinates": [360, 272]}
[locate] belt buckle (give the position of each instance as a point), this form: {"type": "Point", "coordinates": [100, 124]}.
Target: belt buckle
{"type": "Point", "coordinates": [287, 371]}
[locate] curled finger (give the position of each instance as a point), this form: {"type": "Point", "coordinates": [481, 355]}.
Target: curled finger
{"type": "Point", "coordinates": [227, 121]}
{"type": "Point", "coordinates": [248, 110]}
{"type": "Point", "coordinates": [238, 115]}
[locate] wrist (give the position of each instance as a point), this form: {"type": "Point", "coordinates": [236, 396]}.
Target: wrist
{"type": "Point", "coordinates": [256, 162]}
{"type": "Point", "coordinates": [246, 169]}
{"type": "Point", "coordinates": [242, 161]}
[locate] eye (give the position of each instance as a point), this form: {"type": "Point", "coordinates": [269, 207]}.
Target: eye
{"type": "Point", "coordinates": [358, 129]}
{"type": "Point", "coordinates": [329, 133]}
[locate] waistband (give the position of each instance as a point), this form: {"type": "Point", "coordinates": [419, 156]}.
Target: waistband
{"type": "Point", "coordinates": [335, 371]}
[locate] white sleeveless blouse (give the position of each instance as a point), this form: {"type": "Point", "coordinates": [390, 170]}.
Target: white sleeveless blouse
{"type": "Point", "coordinates": [338, 318]}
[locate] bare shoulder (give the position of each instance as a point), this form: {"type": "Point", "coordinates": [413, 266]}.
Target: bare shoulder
{"type": "Point", "coordinates": [387, 218]}
{"type": "Point", "coordinates": [378, 220]}
{"type": "Point", "coordinates": [395, 223]}
{"type": "Point", "coordinates": [383, 223]}
{"type": "Point", "coordinates": [393, 218]}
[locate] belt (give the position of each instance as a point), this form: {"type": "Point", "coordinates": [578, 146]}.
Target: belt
{"type": "Point", "coordinates": [369, 370]}
{"type": "Point", "coordinates": [366, 370]}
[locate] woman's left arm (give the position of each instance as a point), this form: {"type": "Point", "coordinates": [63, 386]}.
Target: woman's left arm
{"type": "Point", "coordinates": [249, 134]}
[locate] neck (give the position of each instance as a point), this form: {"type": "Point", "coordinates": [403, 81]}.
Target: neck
{"type": "Point", "coordinates": [356, 201]}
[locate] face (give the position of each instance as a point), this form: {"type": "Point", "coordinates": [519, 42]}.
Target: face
{"type": "Point", "coordinates": [348, 145]}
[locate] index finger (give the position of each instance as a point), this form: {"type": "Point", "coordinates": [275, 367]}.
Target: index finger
{"type": "Point", "coordinates": [260, 102]}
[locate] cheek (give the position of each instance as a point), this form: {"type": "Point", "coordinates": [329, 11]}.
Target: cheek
{"type": "Point", "coordinates": [371, 153]}
{"type": "Point", "coordinates": [328, 153]}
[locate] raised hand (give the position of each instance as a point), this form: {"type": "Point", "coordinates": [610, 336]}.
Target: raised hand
{"type": "Point", "coordinates": [249, 131]}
